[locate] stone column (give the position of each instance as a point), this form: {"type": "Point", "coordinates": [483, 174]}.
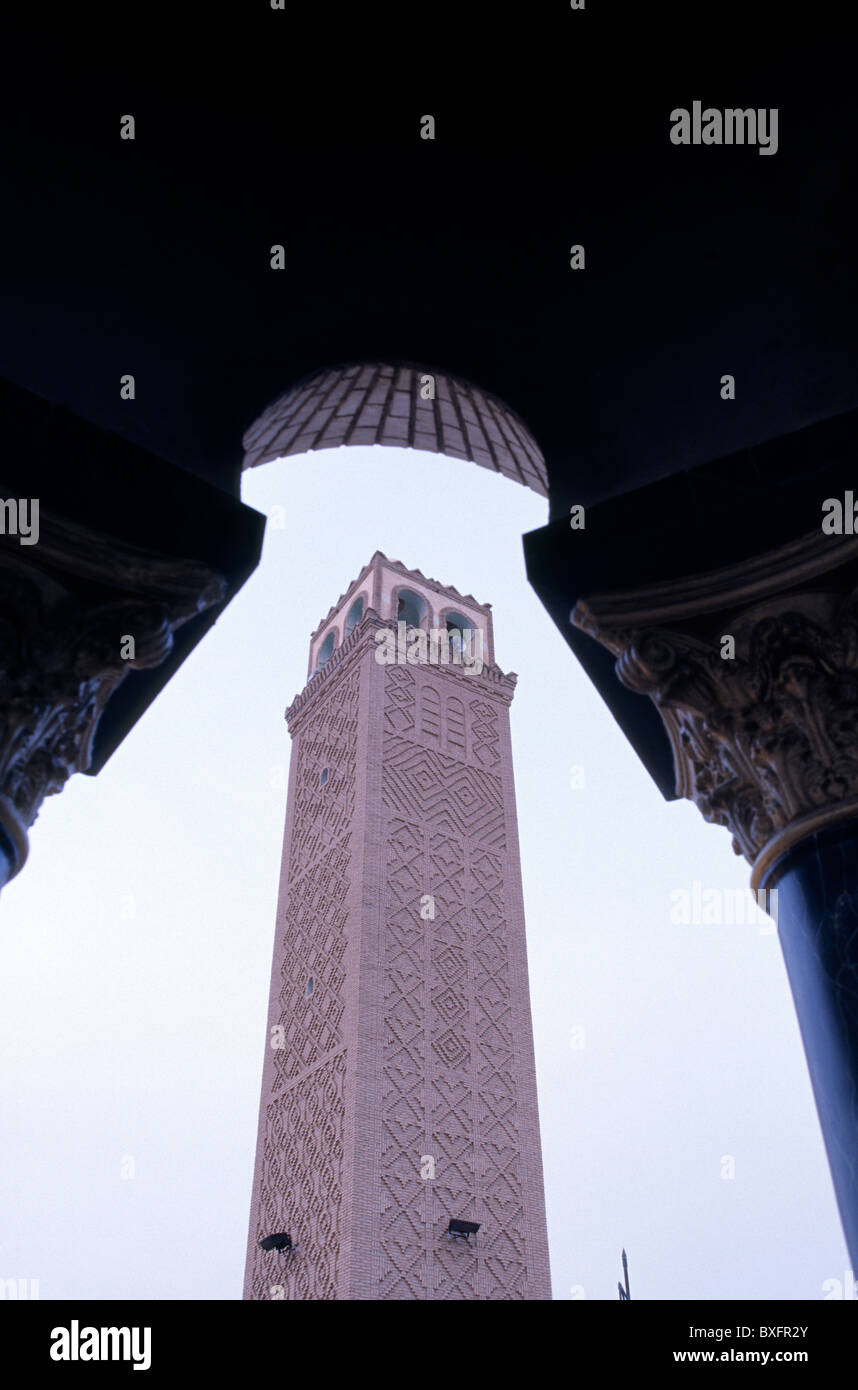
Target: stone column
{"type": "Point", "coordinates": [68, 607]}
{"type": "Point", "coordinates": [754, 671]}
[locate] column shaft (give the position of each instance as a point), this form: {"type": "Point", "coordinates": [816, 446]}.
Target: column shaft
{"type": "Point", "coordinates": [817, 886]}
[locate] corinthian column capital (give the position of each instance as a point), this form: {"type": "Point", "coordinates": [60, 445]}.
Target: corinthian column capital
{"type": "Point", "coordinates": [77, 612]}
{"type": "Point", "coordinates": [754, 671]}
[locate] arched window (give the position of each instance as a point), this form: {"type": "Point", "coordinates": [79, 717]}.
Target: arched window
{"type": "Point", "coordinates": [457, 626]}
{"type": "Point", "coordinates": [410, 608]}
{"type": "Point", "coordinates": [323, 776]}
{"type": "Point", "coordinates": [355, 615]}
{"type": "Point", "coordinates": [326, 650]}
{"type": "Point", "coordinates": [310, 986]}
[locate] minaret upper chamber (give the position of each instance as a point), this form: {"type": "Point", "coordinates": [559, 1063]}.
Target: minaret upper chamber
{"type": "Point", "coordinates": [399, 595]}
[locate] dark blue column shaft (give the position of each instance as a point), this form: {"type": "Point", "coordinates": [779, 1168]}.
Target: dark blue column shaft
{"type": "Point", "coordinates": [7, 859]}
{"type": "Point", "coordinates": [817, 910]}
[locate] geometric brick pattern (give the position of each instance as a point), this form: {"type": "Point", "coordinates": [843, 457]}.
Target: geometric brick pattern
{"type": "Point", "coordinates": [458, 800]}
{"type": "Point", "coordinates": [300, 1183]}
{"type": "Point", "coordinates": [376, 403]}
{"type": "Point", "coordinates": [449, 1053]}
{"type": "Point", "coordinates": [301, 1187]}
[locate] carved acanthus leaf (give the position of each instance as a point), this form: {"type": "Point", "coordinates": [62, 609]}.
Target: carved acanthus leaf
{"type": "Point", "coordinates": [764, 738]}
{"type": "Point", "coordinates": [66, 607]}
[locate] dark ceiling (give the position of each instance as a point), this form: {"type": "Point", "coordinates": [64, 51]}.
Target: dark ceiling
{"type": "Point", "coordinates": [301, 127]}
{"type": "Point", "coordinates": [152, 256]}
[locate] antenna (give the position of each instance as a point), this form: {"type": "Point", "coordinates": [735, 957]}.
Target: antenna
{"type": "Point", "coordinates": [624, 1292]}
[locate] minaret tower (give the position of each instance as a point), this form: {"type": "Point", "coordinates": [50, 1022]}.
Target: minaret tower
{"type": "Point", "coordinates": [398, 1089]}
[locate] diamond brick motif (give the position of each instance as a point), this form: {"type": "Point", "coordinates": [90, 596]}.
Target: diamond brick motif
{"type": "Point", "coordinates": [449, 964]}
{"type": "Point", "coordinates": [451, 1049]}
{"type": "Point", "coordinates": [448, 1005]}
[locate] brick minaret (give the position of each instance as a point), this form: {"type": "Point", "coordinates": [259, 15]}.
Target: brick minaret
{"type": "Point", "coordinates": [398, 1089]}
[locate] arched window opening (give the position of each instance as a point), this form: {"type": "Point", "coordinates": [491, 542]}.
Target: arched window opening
{"type": "Point", "coordinates": [323, 776]}
{"type": "Point", "coordinates": [410, 608]}
{"type": "Point", "coordinates": [457, 628]}
{"type": "Point", "coordinates": [355, 615]}
{"type": "Point", "coordinates": [326, 650]}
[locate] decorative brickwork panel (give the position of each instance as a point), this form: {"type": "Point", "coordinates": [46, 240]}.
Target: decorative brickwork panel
{"type": "Point", "coordinates": [448, 1060]}
{"type": "Point", "coordinates": [457, 740]}
{"type": "Point", "coordinates": [301, 1190]}
{"type": "Point", "coordinates": [314, 950]}
{"type": "Point", "coordinates": [430, 723]}
{"type": "Point", "coordinates": [381, 404]}
{"type": "Point", "coordinates": [401, 704]}
{"type": "Point", "coordinates": [440, 791]}
{"type": "Point", "coordinates": [486, 735]}
{"type": "Point", "coordinates": [301, 1183]}
{"type": "Point", "coordinates": [314, 939]}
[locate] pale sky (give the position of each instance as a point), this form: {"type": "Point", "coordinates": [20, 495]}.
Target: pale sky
{"type": "Point", "coordinates": [136, 951]}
